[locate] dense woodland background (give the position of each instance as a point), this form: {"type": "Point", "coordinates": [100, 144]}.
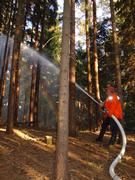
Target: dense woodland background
{"type": "Point", "coordinates": [38, 25]}
{"type": "Point", "coordinates": [35, 63]}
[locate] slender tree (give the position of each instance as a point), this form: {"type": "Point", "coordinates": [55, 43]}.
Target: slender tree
{"type": "Point", "coordinates": [95, 58]}
{"type": "Point", "coordinates": [36, 99]}
{"type": "Point", "coordinates": [116, 49]}
{"type": "Point", "coordinates": [3, 81]}
{"type": "Point", "coordinates": [17, 90]}
{"type": "Point", "coordinates": [89, 76]}
{"type": "Point", "coordinates": [32, 95]}
{"type": "Point", "coordinates": [5, 62]}
{"type": "Point", "coordinates": [15, 64]}
{"type": "Point", "coordinates": [33, 112]}
{"type": "Point", "coordinates": [72, 73]}
{"type": "Point", "coordinates": [36, 46]}
{"type": "Point", "coordinates": [42, 36]}
{"type": "Point", "coordinates": [63, 112]}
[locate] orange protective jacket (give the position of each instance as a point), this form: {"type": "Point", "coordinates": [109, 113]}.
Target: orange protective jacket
{"type": "Point", "coordinates": [113, 106]}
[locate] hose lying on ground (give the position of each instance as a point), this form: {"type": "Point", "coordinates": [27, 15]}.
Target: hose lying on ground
{"type": "Point", "coordinates": [122, 152]}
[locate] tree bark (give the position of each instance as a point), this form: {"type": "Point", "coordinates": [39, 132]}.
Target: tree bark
{"type": "Point", "coordinates": [37, 83]}
{"type": "Point", "coordinates": [63, 112]}
{"type": "Point", "coordinates": [15, 65]}
{"type": "Point", "coordinates": [72, 73]}
{"type": "Point", "coordinates": [95, 58]}
{"type": "Point", "coordinates": [32, 96]}
{"type": "Point", "coordinates": [89, 76]}
{"type": "Point", "coordinates": [17, 90]}
{"type": "Point", "coordinates": [3, 82]}
{"type": "Point", "coordinates": [5, 63]}
{"type": "Point", "coordinates": [37, 73]}
{"type": "Point", "coordinates": [116, 50]}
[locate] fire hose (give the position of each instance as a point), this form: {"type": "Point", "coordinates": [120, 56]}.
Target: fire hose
{"type": "Point", "coordinates": [124, 140]}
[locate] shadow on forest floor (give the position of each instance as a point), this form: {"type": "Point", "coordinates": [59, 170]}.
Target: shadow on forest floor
{"type": "Point", "coordinates": [25, 155]}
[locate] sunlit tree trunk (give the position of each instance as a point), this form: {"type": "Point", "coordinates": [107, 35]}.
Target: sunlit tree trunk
{"type": "Point", "coordinates": [72, 71]}
{"type": "Point", "coordinates": [95, 58]}
{"type": "Point", "coordinates": [15, 65]}
{"type": "Point", "coordinates": [36, 35]}
{"type": "Point", "coordinates": [89, 76]}
{"type": "Point", "coordinates": [63, 112]}
{"type": "Point", "coordinates": [116, 49]}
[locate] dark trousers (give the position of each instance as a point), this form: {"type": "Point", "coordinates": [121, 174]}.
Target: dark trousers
{"type": "Point", "coordinates": [113, 127]}
{"type": "Point", "coordinates": [104, 127]}
{"type": "Point", "coordinates": [114, 131]}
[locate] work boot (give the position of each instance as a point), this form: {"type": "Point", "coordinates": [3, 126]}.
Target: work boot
{"type": "Point", "coordinates": [112, 141]}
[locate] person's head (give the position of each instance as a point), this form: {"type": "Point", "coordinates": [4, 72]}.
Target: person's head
{"type": "Point", "coordinates": [110, 89]}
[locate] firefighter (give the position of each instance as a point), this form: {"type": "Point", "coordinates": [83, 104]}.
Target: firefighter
{"type": "Point", "coordinates": [112, 106]}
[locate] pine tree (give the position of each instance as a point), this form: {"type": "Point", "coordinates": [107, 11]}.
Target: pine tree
{"type": "Point", "coordinates": [89, 76]}
{"type": "Point", "coordinates": [72, 74]}
{"type": "Point", "coordinates": [95, 59]}
{"type": "Point", "coordinates": [13, 91]}
{"type": "Point", "coordinates": [63, 115]}
{"type": "Point", "coordinates": [116, 49]}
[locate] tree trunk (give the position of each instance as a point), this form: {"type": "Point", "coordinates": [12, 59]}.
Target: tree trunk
{"type": "Point", "coordinates": [3, 82]}
{"type": "Point", "coordinates": [42, 31]}
{"type": "Point", "coordinates": [63, 113]}
{"type": "Point", "coordinates": [36, 36]}
{"type": "Point", "coordinates": [5, 62]}
{"type": "Point", "coordinates": [72, 71]}
{"type": "Point", "coordinates": [37, 83]}
{"type": "Point", "coordinates": [17, 72]}
{"type": "Point", "coordinates": [32, 95]}
{"type": "Point", "coordinates": [116, 49]}
{"type": "Point", "coordinates": [17, 90]}
{"type": "Point", "coordinates": [15, 64]}
{"type": "Point", "coordinates": [89, 77]}
{"type": "Point", "coordinates": [37, 74]}
{"type": "Point", "coordinates": [95, 57]}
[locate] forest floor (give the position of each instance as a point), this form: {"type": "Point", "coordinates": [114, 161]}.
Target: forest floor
{"type": "Point", "coordinates": [25, 155]}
